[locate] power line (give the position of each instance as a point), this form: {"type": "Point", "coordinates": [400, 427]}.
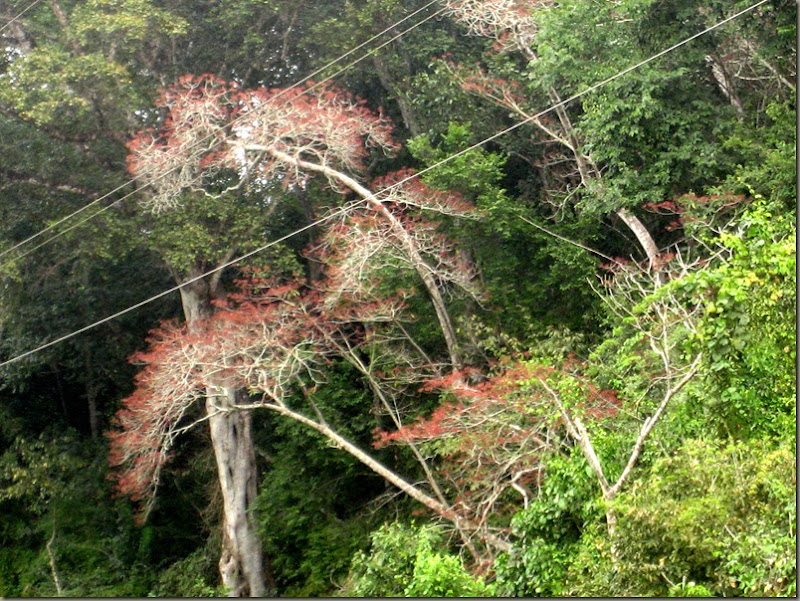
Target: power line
{"type": "Point", "coordinates": [395, 185]}
{"type": "Point", "coordinates": [14, 19]}
{"type": "Point", "coordinates": [197, 143]}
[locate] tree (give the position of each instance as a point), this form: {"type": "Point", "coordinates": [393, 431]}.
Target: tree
{"type": "Point", "coordinates": [205, 235]}
{"type": "Point", "coordinates": [412, 289]}
{"type": "Point", "coordinates": [68, 100]}
{"type": "Point", "coordinates": [275, 345]}
{"type": "Point", "coordinates": [411, 562]}
{"type": "Point", "coordinates": [217, 139]}
{"type": "Point", "coordinates": [62, 533]}
{"type": "Point", "coordinates": [668, 520]}
{"type": "Point", "coordinates": [616, 149]}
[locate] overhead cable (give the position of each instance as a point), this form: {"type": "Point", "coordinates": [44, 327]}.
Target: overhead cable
{"type": "Point", "coordinates": [13, 20]}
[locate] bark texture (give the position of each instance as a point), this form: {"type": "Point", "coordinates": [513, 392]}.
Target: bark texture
{"type": "Point", "coordinates": [241, 564]}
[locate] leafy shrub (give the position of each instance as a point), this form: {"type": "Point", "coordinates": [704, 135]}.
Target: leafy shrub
{"type": "Point", "coordinates": [746, 338]}
{"type": "Point", "coordinates": [193, 576]}
{"type": "Point", "coordinates": [62, 533]}
{"type": "Point", "coordinates": [715, 518]}
{"type": "Point", "coordinates": [548, 531]}
{"type": "Point", "coordinates": [407, 561]}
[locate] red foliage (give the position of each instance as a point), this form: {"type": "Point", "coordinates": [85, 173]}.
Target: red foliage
{"type": "Point", "coordinates": [510, 22]}
{"type": "Point", "coordinates": [492, 433]}
{"type": "Point", "coordinates": [477, 81]}
{"type": "Point", "coordinates": [141, 439]}
{"type": "Point", "coordinates": [262, 338]}
{"type": "Point", "coordinates": [402, 188]}
{"type": "Point", "coordinates": [688, 207]}
{"type": "Point", "coordinates": [321, 123]}
{"type": "Point", "coordinates": [248, 342]}
{"type": "Point", "coordinates": [210, 124]}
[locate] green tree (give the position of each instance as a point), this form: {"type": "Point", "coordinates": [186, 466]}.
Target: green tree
{"type": "Point", "coordinates": [65, 535]}
{"type": "Point", "coordinates": [535, 282]}
{"type": "Point", "coordinates": [750, 382]}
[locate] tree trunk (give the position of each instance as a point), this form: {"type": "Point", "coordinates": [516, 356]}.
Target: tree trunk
{"type": "Point", "coordinates": [315, 268]}
{"type": "Point", "coordinates": [391, 86]}
{"type": "Point", "coordinates": [641, 232]}
{"type": "Point", "coordinates": [587, 168]}
{"type": "Point", "coordinates": [241, 561]}
{"type": "Point", "coordinates": [91, 402]}
{"type": "Point", "coordinates": [725, 85]}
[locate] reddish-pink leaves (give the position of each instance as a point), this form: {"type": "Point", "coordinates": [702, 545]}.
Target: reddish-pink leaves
{"type": "Point", "coordinates": [211, 124]}
{"type": "Point", "coordinates": [490, 434]}
{"type": "Point", "coordinates": [261, 339]}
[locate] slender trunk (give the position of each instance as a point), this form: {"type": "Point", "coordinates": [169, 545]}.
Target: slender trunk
{"type": "Point", "coordinates": [241, 561]}
{"type": "Point", "coordinates": [62, 399]}
{"type": "Point", "coordinates": [92, 391]}
{"type": "Point", "coordinates": [315, 268]}
{"type": "Point", "coordinates": [89, 377]}
{"type": "Point", "coordinates": [580, 435]}
{"type": "Point", "coordinates": [51, 556]}
{"type": "Point", "coordinates": [588, 169]}
{"type": "Point", "coordinates": [91, 401]}
{"type": "Point", "coordinates": [356, 362]}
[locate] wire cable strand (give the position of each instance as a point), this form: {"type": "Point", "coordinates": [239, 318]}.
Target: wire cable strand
{"type": "Point", "coordinates": [197, 143]}
{"type": "Point", "coordinates": [349, 206]}
{"type": "Point", "coordinates": [8, 24]}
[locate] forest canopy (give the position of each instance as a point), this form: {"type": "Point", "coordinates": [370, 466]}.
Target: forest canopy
{"type": "Point", "coordinates": [375, 298]}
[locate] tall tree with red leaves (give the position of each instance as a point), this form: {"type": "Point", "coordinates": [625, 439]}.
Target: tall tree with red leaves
{"type": "Point", "coordinates": [216, 139]}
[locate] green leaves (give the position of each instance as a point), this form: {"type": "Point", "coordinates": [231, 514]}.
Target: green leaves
{"type": "Point", "coordinates": [60, 513]}
{"type": "Point", "coordinates": [411, 561]}
{"type": "Point", "coordinates": [720, 515]}
{"type": "Point", "coordinates": [748, 341]}
{"type": "Point", "coordinates": [548, 531]}
{"type": "Point", "coordinates": [123, 26]}
{"type": "Point", "coordinates": [767, 156]}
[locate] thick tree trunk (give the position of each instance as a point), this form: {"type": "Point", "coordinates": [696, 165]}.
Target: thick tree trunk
{"type": "Point", "coordinates": [391, 86]}
{"type": "Point", "coordinates": [641, 232]}
{"type": "Point", "coordinates": [725, 84]}
{"type": "Point", "coordinates": [241, 561]}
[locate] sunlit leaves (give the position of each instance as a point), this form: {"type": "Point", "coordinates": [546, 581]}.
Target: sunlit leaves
{"type": "Point", "coordinates": [121, 26]}
{"type": "Point", "coordinates": [723, 515]}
